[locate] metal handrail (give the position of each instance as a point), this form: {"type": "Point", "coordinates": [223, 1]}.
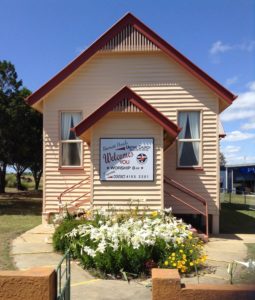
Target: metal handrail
{"type": "Point", "coordinates": [64, 292]}
{"type": "Point", "coordinates": [184, 189]}
{"type": "Point", "coordinates": [72, 188]}
{"type": "Point", "coordinates": [83, 195]}
{"type": "Point", "coordinates": [187, 191]}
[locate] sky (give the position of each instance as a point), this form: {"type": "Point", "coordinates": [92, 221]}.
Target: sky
{"type": "Point", "coordinates": [41, 37]}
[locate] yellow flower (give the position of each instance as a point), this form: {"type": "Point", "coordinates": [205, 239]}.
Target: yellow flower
{"type": "Point", "coordinates": [173, 254]}
{"type": "Point", "coordinates": [174, 264]}
{"type": "Point", "coordinates": [183, 262]}
{"type": "Point", "coordinates": [190, 251]}
{"type": "Point", "coordinates": [184, 256]}
{"type": "Point", "coordinates": [181, 251]}
{"type": "Point", "coordinates": [166, 263]}
{"type": "Point", "coordinates": [182, 245]}
{"type": "Point", "coordinates": [190, 237]}
{"type": "Point", "coordinates": [191, 263]}
{"type": "Point", "coordinates": [154, 213]}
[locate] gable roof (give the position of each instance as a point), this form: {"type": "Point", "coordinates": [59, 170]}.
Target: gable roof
{"type": "Point", "coordinates": [126, 93]}
{"type": "Point", "coordinates": [129, 19]}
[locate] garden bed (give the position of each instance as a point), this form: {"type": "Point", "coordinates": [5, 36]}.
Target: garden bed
{"type": "Point", "coordinates": [129, 243]}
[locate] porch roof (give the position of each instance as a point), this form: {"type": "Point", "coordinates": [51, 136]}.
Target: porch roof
{"type": "Point", "coordinates": [127, 94]}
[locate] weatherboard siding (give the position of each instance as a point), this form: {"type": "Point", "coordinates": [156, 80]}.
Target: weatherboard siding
{"type": "Point", "coordinates": [123, 194]}
{"type": "Point", "coordinates": [157, 79]}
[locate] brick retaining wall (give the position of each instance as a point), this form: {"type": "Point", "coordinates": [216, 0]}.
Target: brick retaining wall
{"type": "Point", "coordinates": [166, 285]}
{"type": "Point", "coordinates": [33, 284]}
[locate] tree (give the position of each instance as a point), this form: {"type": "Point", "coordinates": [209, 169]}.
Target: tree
{"type": "Point", "coordinates": [27, 134]}
{"type": "Point", "coordinates": [222, 160]}
{"type": "Point", "coordinates": [19, 135]}
{"type": "Point", "coordinates": [9, 87]}
{"type": "Point", "coordinates": [35, 146]}
{"type": "Point", "coordinates": [20, 129]}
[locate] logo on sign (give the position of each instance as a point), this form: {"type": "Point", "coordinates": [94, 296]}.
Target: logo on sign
{"type": "Point", "coordinates": [142, 158]}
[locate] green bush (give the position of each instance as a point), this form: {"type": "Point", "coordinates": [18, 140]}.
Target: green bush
{"type": "Point", "coordinates": [132, 244]}
{"type": "Point", "coordinates": [11, 181]}
{"type": "Point", "coordinates": [60, 241]}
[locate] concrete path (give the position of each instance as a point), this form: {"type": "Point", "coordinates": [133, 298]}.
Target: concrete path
{"type": "Point", "coordinates": [34, 249]}
{"type": "Point", "coordinates": [222, 250]}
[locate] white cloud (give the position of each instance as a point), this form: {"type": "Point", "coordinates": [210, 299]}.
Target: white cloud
{"type": "Point", "coordinates": [232, 80]}
{"type": "Point", "coordinates": [243, 107]}
{"type": "Point", "coordinates": [219, 47]}
{"type": "Point", "coordinates": [251, 85]}
{"type": "Point", "coordinates": [231, 149]}
{"type": "Point", "coordinates": [249, 125]}
{"type": "Point", "coordinates": [232, 159]}
{"type": "Point", "coordinates": [237, 135]}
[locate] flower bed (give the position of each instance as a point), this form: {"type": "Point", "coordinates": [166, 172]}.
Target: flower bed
{"type": "Point", "coordinates": [111, 243]}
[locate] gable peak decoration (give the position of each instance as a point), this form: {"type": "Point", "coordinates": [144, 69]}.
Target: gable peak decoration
{"type": "Point", "coordinates": [129, 39]}
{"type": "Point", "coordinates": [102, 43]}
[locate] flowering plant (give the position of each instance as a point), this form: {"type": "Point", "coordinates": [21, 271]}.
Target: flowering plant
{"type": "Point", "coordinates": [110, 242]}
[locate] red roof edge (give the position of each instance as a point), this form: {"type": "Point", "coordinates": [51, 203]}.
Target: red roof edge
{"type": "Point", "coordinates": [144, 106]}
{"type": "Point", "coordinates": [153, 37]}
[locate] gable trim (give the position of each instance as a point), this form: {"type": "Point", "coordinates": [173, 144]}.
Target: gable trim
{"type": "Point", "coordinates": [144, 106]}
{"type": "Point", "coordinates": [129, 19]}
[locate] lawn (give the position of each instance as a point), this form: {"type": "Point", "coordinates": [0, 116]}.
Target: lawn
{"type": "Point", "coordinates": [237, 218]}
{"type": "Point", "coordinates": [19, 212]}
{"type": "Point", "coordinates": [237, 199]}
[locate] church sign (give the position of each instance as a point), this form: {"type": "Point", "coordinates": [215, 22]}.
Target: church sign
{"type": "Point", "coordinates": [126, 159]}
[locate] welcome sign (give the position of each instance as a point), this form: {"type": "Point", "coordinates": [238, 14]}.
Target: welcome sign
{"type": "Point", "coordinates": [129, 159]}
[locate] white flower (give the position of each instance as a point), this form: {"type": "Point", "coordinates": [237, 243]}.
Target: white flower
{"type": "Point", "coordinates": [89, 251]}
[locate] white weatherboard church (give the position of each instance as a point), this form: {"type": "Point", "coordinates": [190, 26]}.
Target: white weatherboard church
{"type": "Point", "coordinates": [132, 118]}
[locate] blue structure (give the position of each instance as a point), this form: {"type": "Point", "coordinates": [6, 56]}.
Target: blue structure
{"type": "Point", "coordinates": [238, 178]}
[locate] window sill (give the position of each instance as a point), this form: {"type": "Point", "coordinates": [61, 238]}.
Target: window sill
{"type": "Point", "coordinates": [70, 168]}
{"type": "Point", "coordinates": [190, 168]}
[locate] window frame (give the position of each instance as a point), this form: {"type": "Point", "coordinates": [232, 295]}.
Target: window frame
{"type": "Point", "coordinates": [199, 166]}
{"type": "Point", "coordinates": [61, 142]}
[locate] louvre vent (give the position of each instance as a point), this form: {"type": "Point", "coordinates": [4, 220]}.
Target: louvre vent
{"type": "Point", "coordinates": [126, 106]}
{"type": "Point", "coordinates": [130, 39]}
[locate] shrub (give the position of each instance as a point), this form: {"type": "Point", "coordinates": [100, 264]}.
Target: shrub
{"type": "Point", "coordinates": [110, 244]}
{"type": "Point", "coordinates": [61, 242]}
{"type": "Point", "coordinates": [186, 256]}
{"type": "Point", "coordinates": [11, 181]}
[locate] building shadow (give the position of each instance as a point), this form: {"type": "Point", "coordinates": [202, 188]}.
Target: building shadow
{"type": "Point", "coordinates": [236, 218]}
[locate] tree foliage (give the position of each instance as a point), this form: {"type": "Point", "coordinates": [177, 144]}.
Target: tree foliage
{"type": "Point", "coordinates": [20, 127]}
{"type": "Point", "coordinates": [222, 160]}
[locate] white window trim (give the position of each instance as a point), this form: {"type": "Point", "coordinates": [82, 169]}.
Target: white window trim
{"type": "Point", "coordinates": [69, 141]}
{"type": "Point", "coordinates": [200, 164]}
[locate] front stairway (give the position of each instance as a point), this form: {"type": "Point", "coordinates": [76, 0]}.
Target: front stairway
{"type": "Point", "coordinates": [172, 189]}
{"type": "Point", "coordinates": [198, 219]}
{"type": "Point", "coordinates": [82, 200]}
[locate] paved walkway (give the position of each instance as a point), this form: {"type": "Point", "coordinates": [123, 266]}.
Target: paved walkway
{"type": "Point", "coordinates": [222, 250]}
{"type": "Point", "coordinates": [34, 248]}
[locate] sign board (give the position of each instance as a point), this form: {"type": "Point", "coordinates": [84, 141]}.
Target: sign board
{"type": "Point", "coordinates": [126, 159]}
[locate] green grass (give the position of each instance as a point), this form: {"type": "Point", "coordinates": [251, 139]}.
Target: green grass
{"type": "Point", "coordinates": [19, 212]}
{"type": "Point", "coordinates": [236, 218]}
{"type": "Point", "coordinates": [237, 199]}
{"type": "Point", "coordinates": [27, 181]}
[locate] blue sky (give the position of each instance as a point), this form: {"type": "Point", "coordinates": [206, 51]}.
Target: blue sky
{"type": "Point", "coordinates": [41, 37]}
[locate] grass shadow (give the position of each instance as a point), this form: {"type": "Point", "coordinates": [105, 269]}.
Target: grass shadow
{"type": "Point", "coordinates": [236, 218]}
{"type": "Point", "coordinates": [21, 203]}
